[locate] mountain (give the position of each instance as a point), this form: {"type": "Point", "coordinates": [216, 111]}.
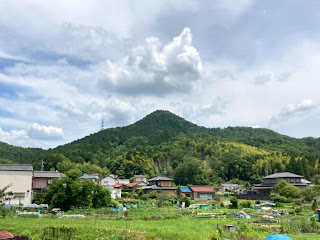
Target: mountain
{"type": "Point", "coordinates": [164, 143]}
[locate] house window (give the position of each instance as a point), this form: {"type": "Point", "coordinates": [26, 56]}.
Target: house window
{"type": "Point", "coordinates": [291, 180]}
{"type": "Point", "coordinates": [19, 195]}
{"type": "Point", "coordinates": [49, 181]}
{"type": "Point", "coordinates": [297, 180]}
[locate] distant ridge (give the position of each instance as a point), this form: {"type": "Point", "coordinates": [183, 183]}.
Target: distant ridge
{"type": "Point", "coordinates": [164, 141]}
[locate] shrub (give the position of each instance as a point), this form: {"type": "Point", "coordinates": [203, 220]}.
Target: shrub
{"type": "Point", "coordinates": [153, 195]}
{"type": "Point", "coordinates": [234, 202]}
{"type": "Point", "coordinates": [246, 204]}
{"type": "Point", "coordinates": [144, 197]}
{"type": "Point", "coordinates": [186, 200]}
{"type": "Point", "coordinates": [297, 202]}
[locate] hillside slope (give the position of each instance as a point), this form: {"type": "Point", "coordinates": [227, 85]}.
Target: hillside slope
{"type": "Point", "coordinates": [164, 143]}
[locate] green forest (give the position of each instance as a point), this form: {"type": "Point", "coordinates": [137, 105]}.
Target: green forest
{"type": "Point", "coordinates": [163, 143]}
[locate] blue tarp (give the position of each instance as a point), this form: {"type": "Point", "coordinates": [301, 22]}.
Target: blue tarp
{"type": "Point", "coordinates": [278, 237]}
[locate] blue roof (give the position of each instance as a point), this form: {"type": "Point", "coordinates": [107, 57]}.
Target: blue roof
{"type": "Point", "coordinates": [185, 189]}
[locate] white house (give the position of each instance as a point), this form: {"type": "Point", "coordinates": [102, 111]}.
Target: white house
{"type": "Point", "coordinates": [19, 177]}
{"type": "Point", "coordinates": [111, 180]}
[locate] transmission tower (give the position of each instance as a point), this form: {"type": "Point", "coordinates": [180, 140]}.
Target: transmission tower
{"type": "Point", "coordinates": [102, 124]}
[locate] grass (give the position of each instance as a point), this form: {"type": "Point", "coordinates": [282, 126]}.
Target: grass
{"type": "Point", "coordinates": [159, 223]}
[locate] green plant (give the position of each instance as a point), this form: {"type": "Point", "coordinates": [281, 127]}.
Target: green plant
{"type": "Point", "coordinates": [234, 202]}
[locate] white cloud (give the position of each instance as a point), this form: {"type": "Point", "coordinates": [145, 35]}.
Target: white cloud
{"type": "Point", "coordinates": [49, 133]}
{"type": "Point", "coordinates": [154, 69]}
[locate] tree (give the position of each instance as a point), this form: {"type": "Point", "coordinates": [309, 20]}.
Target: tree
{"type": "Point", "coordinates": [308, 194]}
{"type": "Point", "coordinates": [284, 189]}
{"type": "Point", "coordinates": [4, 194]}
{"type": "Point", "coordinates": [68, 192]}
{"type": "Point", "coordinates": [234, 202]}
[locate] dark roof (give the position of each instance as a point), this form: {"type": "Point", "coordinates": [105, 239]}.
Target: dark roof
{"type": "Point", "coordinates": [185, 189]}
{"type": "Point", "coordinates": [161, 179]}
{"type": "Point", "coordinates": [46, 174]}
{"type": "Point", "coordinates": [202, 189]}
{"type": "Point", "coordinates": [16, 167]}
{"type": "Point", "coordinates": [155, 187]}
{"type": "Point", "coordinates": [283, 175]}
{"type": "Point", "coordinates": [5, 235]}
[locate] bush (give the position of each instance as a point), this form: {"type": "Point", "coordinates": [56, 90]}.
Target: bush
{"type": "Point", "coordinates": [144, 197]}
{"type": "Point", "coordinates": [257, 202]}
{"type": "Point", "coordinates": [246, 204]}
{"type": "Point", "coordinates": [234, 202]}
{"type": "Point", "coordinates": [297, 202]}
{"type": "Point", "coordinates": [3, 211]}
{"type": "Point", "coordinates": [153, 195]}
{"type": "Point", "coordinates": [124, 194]}
{"type": "Point", "coordinates": [186, 200]}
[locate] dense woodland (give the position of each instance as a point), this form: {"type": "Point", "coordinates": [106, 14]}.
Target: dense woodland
{"type": "Point", "coordinates": [163, 143]}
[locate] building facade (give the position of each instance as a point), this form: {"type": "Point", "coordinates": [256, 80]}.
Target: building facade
{"type": "Point", "coordinates": [19, 177]}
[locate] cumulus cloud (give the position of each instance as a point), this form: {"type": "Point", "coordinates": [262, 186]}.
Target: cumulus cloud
{"type": "Point", "coordinates": [154, 69]}
{"type": "Point", "coordinates": [291, 111]}
{"type": "Point", "coordinates": [50, 133]}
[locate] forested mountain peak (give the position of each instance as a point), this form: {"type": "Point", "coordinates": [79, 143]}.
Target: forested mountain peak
{"type": "Point", "coordinates": [167, 144]}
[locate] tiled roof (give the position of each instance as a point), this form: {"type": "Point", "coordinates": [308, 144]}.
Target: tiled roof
{"type": "Point", "coordinates": [16, 167]}
{"type": "Point", "coordinates": [283, 175]}
{"type": "Point", "coordinates": [133, 184]}
{"type": "Point", "coordinates": [185, 189]}
{"type": "Point", "coordinates": [155, 187]}
{"type": "Point", "coordinates": [118, 185]}
{"type": "Point", "coordinates": [5, 235]}
{"type": "Point", "coordinates": [202, 189]}
{"type": "Point", "coordinates": [46, 174]}
{"type": "Point", "coordinates": [161, 179]}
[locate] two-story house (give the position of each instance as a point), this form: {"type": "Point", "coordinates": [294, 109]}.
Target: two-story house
{"type": "Point", "coordinates": [43, 179]}
{"type": "Point", "coordinates": [160, 184]}
{"type": "Point", "coordinates": [19, 177]}
{"type": "Point", "coordinates": [270, 181]}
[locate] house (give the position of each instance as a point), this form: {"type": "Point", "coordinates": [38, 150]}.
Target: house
{"type": "Point", "coordinates": [184, 191]}
{"type": "Point", "coordinates": [135, 185]}
{"type": "Point", "coordinates": [228, 186]}
{"type": "Point", "coordinates": [160, 184]}
{"type": "Point", "coordinates": [161, 181]}
{"type": "Point", "coordinates": [270, 181]}
{"type": "Point", "coordinates": [112, 179]}
{"type": "Point", "coordinates": [19, 177]}
{"type": "Point", "coordinates": [139, 178]}
{"type": "Point", "coordinates": [42, 179]}
{"type": "Point", "coordinates": [202, 192]}
{"type": "Point", "coordinates": [92, 178]}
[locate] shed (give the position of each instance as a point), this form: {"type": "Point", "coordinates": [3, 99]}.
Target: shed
{"type": "Point", "coordinates": [184, 191]}
{"type": "Point", "coordinates": [230, 228]}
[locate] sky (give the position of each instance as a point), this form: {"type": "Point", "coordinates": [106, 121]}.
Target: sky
{"type": "Point", "coordinates": [67, 65]}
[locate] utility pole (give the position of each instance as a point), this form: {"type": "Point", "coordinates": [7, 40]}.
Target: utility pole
{"type": "Point", "coordinates": [42, 164]}
{"type": "Point", "coordinates": [102, 124]}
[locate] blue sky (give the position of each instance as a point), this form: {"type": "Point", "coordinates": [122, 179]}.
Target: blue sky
{"type": "Point", "coordinates": [65, 65]}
